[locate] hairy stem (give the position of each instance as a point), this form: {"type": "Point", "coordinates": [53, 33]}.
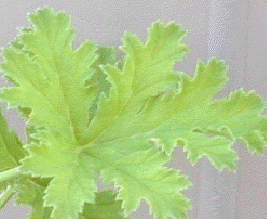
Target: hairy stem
{"type": "Point", "coordinates": [6, 196]}
{"type": "Point", "coordinates": [9, 174]}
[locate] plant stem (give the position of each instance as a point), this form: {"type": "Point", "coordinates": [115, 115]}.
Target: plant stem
{"type": "Point", "coordinates": [6, 196]}
{"type": "Point", "coordinates": [9, 174]}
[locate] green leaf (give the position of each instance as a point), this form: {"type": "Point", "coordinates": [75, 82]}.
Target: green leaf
{"type": "Point", "coordinates": [73, 182]}
{"type": "Point", "coordinates": [106, 55]}
{"type": "Point", "coordinates": [141, 175]}
{"type": "Point", "coordinates": [84, 112]}
{"type": "Point", "coordinates": [105, 207]}
{"type": "Point", "coordinates": [59, 87]}
{"type": "Point", "coordinates": [150, 65]}
{"type": "Point", "coordinates": [11, 150]}
{"type": "Point", "coordinates": [147, 70]}
{"type": "Point", "coordinates": [56, 103]}
{"type": "Point", "coordinates": [31, 193]}
{"type": "Point", "coordinates": [188, 117]}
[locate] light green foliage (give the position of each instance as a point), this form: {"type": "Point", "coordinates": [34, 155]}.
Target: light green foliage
{"type": "Point", "coordinates": [11, 150]}
{"type": "Point", "coordinates": [143, 173]}
{"type": "Point", "coordinates": [55, 92]}
{"type": "Point", "coordinates": [105, 56]}
{"type": "Point", "coordinates": [187, 117]}
{"type": "Point", "coordinates": [31, 193]}
{"type": "Point", "coordinates": [74, 182]}
{"type": "Point", "coordinates": [86, 112]}
{"type": "Point", "coordinates": [105, 207]}
{"type": "Point", "coordinates": [56, 96]}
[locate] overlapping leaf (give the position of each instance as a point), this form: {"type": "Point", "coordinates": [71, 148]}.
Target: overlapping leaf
{"type": "Point", "coordinates": [105, 207]}
{"type": "Point", "coordinates": [59, 87]}
{"type": "Point", "coordinates": [11, 150]}
{"type": "Point", "coordinates": [147, 70]}
{"type": "Point", "coordinates": [31, 193]}
{"type": "Point", "coordinates": [141, 175]}
{"type": "Point", "coordinates": [50, 79]}
{"type": "Point", "coordinates": [73, 182]}
{"type": "Point", "coordinates": [128, 126]}
{"type": "Point", "coordinates": [105, 56]}
{"type": "Point", "coordinates": [188, 117]}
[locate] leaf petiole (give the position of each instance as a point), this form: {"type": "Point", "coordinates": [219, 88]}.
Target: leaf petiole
{"type": "Point", "coordinates": [6, 196]}
{"type": "Point", "coordinates": [9, 174]}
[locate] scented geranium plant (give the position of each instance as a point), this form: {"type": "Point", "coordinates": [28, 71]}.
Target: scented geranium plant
{"type": "Point", "coordinates": [89, 115]}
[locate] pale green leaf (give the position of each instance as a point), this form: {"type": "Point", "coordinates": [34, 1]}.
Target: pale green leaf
{"type": "Point", "coordinates": [190, 116]}
{"type": "Point", "coordinates": [151, 64]}
{"type": "Point", "coordinates": [141, 175]}
{"type": "Point", "coordinates": [73, 182]}
{"type": "Point", "coordinates": [126, 123]}
{"type": "Point", "coordinates": [59, 87]}
{"type": "Point", "coordinates": [106, 55]}
{"type": "Point", "coordinates": [50, 90]}
{"type": "Point", "coordinates": [11, 150]}
{"type": "Point", "coordinates": [30, 193]}
{"type": "Point", "coordinates": [147, 70]}
{"type": "Point", "coordinates": [105, 207]}
{"type": "Point", "coordinates": [85, 112]}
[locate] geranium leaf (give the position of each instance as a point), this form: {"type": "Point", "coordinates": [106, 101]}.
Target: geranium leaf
{"type": "Point", "coordinates": [147, 70]}
{"type": "Point", "coordinates": [58, 101]}
{"type": "Point", "coordinates": [11, 150]}
{"type": "Point", "coordinates": [73, 182]}
{"type": "Point", "coordinates": [31, 193]}
{"type": "Point", "coordinates": [105, 207]}
{"type": "Point", "coordinates": [59, 87]}
{"type": "Point", "coordinates": [143, 173]}
{"type": "Point", "coordinates": [85, 111]}
{"type": "Point", "coordinates": [187, 117]}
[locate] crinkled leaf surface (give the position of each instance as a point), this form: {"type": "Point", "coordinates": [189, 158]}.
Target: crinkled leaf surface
{"type": "Point", "coordinates": [188, 117]}
{"type": "Point", "coordinates": [141, 175]}
{"type": "Point", "coordinates": [106, 55]}
{"type": "Point", "coordinates": [31, 193]}
{"type": "Point", "coordinates": [148, 69]}
{"type": "Point", "coordinates": [127, 124]}
{"type": "Point", "coordinates": [50, 80]}
{"type": "Point", "coordinates": [73, 182]}
{"type": "Point", "coordinates": [11, 149]}
{"type": "Point", "coordinates": [105, 207]}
